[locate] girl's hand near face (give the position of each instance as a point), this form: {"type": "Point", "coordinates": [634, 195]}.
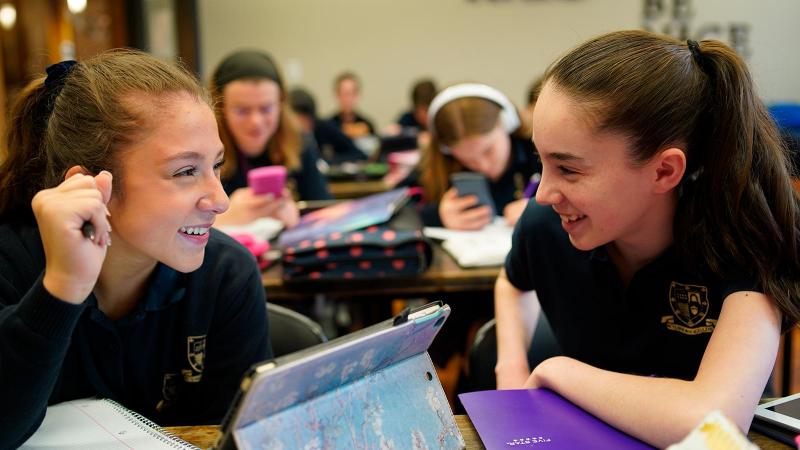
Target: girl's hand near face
{"type": "Point", "coordinates": [513, 210]}
{"type": "Point", "coordinates": [245, 207]}
{"type": "Point", "coordinates": [457, 213]}
{"type": "Point", "coordinates": [73, 261]}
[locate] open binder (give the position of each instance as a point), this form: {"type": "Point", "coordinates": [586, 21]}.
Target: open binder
{"type": "Point", "coordinates": [376, 387]}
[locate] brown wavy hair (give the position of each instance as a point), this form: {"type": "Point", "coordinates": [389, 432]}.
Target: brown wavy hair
{"type": "Point", "coordinates": [284, 147]}
{"type": "Point", "coordinates": [86, 124]}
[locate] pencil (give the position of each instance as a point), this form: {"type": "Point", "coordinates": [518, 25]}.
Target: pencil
{"type": "Point", "coordinates": [88, 230]}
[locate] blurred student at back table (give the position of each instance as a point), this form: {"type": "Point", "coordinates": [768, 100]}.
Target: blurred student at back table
{"type": "Point", "coordinates": [422, 94]}
{"type": "Point", "coordinates": [415, 120]}
{"type": "Point", "coordinates": [335, 147]}
{"type": "Point", "coordinates": [474, 127]}
{"type": "Point", "coordinates": [533, 95]}
{"type": "Point", "coordinates": [347, 88]}
{"type": "Point", "coordinates": [258, 128]}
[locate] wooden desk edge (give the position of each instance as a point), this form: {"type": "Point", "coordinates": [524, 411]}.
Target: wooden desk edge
{"type": "Point", "coordinates": [205, 436]}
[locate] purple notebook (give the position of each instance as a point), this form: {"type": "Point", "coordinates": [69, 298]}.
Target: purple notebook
{"type": "Point", "coordinates": [539, 418]}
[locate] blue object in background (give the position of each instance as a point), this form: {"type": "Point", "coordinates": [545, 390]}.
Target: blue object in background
{"type": "Point", "coordinates": [786, 115]}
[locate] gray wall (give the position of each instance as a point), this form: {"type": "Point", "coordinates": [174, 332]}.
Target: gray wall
{"type": "Point", "coordinates": [505, 43]}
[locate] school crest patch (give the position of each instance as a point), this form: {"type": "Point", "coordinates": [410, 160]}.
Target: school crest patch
{"type": "Point", "coordinates": [689, 304]}
{"type": "Point", "coordinates": [195, 353]}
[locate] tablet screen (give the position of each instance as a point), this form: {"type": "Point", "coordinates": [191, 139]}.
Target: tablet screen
{"type": "Point", "coordinates": [790, 408]}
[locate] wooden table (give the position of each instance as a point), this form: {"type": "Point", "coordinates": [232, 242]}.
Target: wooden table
{"type": "Point", "coordinates": [442, 277]}
{"type": "Point", "coordinates": [356, 188]}
{"type": "Point", "coordinates": [206, 436]}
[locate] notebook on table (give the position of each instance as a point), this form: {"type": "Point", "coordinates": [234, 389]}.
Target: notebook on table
{"type": "Point", "coordinates": [375, 388]}
{"type": "Point", "coordinates": [540, 418]}
{"type": "Point", "coordinates": [482, 248]}
{"type": "Point", "coordinates": [99, 424]}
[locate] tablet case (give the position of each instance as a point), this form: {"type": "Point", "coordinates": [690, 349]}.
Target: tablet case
{"type": "Point", "coordinates": [376, 388]}
{"type": "Point", "coordinates": [775, 424]}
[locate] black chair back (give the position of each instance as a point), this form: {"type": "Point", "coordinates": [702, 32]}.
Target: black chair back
{"type": "Point", "coordinates": [483, 354]}
{"type": "Point", "coordinates": [290, 331]}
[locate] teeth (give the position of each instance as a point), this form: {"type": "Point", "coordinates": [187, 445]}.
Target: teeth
{"type": "Point", "coordinates": [194, 230]}
{"type": "Point", "coordinates": [572, 218]}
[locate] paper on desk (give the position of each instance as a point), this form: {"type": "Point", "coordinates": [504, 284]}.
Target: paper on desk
{"type": "Point", "coordinates": [99, 424]}
{"type": "Point", "coordinates": [264, 228]}
{"type": "Point", "coordinates": [482, 248]}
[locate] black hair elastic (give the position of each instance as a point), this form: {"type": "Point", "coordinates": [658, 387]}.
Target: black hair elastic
{"type": "Point", "coordinates": [57, 74]}
{"type": "Point", "coordinates": [699, 57]}
{"type": "Point", "coordinates": [53, 84]}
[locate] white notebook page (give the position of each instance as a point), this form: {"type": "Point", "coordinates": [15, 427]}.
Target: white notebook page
{"type": "Point", "coordinates": [92, 424]}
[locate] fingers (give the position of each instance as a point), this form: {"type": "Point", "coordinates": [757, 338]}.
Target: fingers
{"type": "Point", "coordinates": [475, 218]}
{"type": "Point", "coordinates": [77, 207]}
{"type": "Point", "coordinates": [103, 180]}
{"type": "Point", "coordinates": [514, 210]}
{"type": "Point", "coordinates": [93, 211]}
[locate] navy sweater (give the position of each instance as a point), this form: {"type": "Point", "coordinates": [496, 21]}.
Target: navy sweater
{"type": "Point", "coordinates": [177, 358]}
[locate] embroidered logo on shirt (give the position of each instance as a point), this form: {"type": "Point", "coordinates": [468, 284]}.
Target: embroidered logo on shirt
{"type": "Point", "coordinates": [196, 353]}
{"type": "Point", "coordinates": [689, 305]}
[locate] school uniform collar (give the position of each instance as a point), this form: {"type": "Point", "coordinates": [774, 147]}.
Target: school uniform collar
{"type": "Point", "coordinates": [166, 287]}
{"type": "Point", "coordinates": [665, 258]}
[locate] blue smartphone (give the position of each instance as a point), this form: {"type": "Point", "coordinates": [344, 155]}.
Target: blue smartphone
{"type": "Point", "coordinates": [471, 183]}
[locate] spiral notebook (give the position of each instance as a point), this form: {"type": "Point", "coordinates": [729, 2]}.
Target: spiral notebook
{"type": "Point", "coordinates": [92, 424]}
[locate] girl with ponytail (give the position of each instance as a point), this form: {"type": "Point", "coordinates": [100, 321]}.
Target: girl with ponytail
{"type": "Point", "coordinates": [662, 245]}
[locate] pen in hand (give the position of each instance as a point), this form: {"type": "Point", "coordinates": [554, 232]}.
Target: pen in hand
{"type": "Point", "coordinates": [530, 189]}
{"type": "Point", "coordinates": [87, 229]}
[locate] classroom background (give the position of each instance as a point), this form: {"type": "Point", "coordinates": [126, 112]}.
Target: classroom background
{"type": "Point", "coordinates": [390, 44]}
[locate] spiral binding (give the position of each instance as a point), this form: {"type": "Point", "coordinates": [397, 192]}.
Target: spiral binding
{"type": "Point", "coordinates": [149, 427]}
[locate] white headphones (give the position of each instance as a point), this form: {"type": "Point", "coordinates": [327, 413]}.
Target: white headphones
{"type": "Point", "coordinates": [509, 117]}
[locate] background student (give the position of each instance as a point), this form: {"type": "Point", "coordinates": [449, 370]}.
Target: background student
{"type": "Point", "coordinates": [334, 146]}
{"type": "Point", "coordinates": [258, 129]}
{"type": "Point", "coordinates": [663, 248]}
{"type": "Point", "coordinates": [474, 127]}
{"type": "Point", "coordinates": [347, 88]}
{"type": "Point", "coordinates": [167, 319]}
{"type": "Point", "coordinates": [533, 95]}
{"type": "Point", "coordinates": [416, 119]}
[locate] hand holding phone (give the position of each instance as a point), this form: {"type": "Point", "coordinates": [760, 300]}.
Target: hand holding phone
{"type": "Point", "coordinates": [471, 183]}
{"type": "Point", "coordinates": [267, 180]}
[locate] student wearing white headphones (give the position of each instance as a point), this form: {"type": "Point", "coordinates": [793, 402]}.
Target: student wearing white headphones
{"type": "Point", "coordinates": [474, 127]}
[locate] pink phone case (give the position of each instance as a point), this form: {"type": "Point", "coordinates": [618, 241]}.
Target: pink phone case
{"type": "Point", "coordinates": [267, 180]}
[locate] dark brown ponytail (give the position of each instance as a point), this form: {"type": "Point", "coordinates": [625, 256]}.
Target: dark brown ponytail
{"type": "Point", "coordinates": [22, 168]}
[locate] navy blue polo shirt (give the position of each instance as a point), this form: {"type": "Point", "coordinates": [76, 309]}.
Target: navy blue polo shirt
{"type": "Point", "coordinates": [659, 324]}
{"type": "Point", "coordinates": [176, 358]}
